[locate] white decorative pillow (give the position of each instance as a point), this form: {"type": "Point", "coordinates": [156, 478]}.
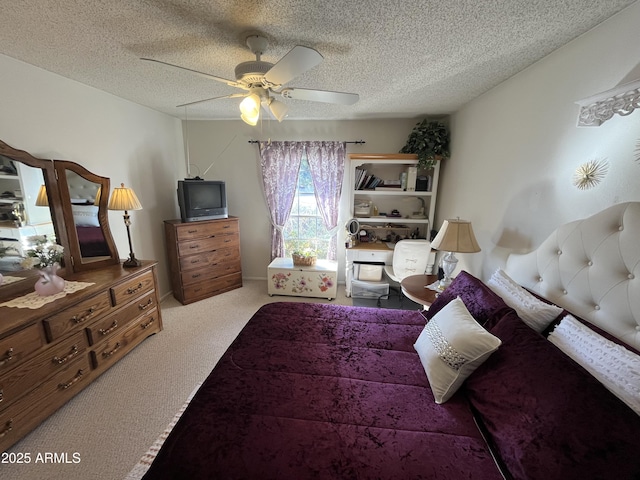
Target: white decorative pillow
{"type": "Point", "coordinates": [614, 366]}
{"type": "Point", "coordinates": [451, 346]}
{"type": "Point", "coordinates": [533, 311]}
{"type": "Point", "coordinates": [85, 215]}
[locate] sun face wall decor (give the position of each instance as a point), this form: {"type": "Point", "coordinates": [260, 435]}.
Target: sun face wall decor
{"type": "Point", "coordinates": [590, 174]}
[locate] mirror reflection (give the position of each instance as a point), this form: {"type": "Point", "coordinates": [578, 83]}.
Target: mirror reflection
{"type": "Point", "coordinates": [85, 198]}
{"type": "Point", "coordinates": [23, 214]}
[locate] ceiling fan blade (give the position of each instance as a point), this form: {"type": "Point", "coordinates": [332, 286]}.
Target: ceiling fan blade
{"type": "Point", "coordinates": [320, 96]}
{"type": "Point", "coordinates": [233, 95]}
{"type": "Point", "coordinates": [296, 62]}
{"type": "Point", "coordinates": [231, 83]}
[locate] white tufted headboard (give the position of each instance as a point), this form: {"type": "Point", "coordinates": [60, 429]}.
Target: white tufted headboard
{"type": "Point", "coordinates": [590, 267]}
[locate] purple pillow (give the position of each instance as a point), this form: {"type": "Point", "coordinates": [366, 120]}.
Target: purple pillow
{"type": "Point", "coordinates": [546, 417]}
{"type": "Point", "coordinates": [483, 304]}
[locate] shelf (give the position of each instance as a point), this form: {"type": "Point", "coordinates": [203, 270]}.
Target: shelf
{"type": "Point", "coordinates": [391, 220]}
{"type": "Point", "coordinates": [404, 193]}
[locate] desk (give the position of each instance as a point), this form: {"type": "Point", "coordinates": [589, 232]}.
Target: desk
{"type": "Point", "coordinates": [413, 287]}
{"type": "Point", "coordinates": [375, 253]}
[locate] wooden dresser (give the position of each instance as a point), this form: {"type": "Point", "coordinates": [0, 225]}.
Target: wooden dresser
{"type": "Point", "coordinates": [204, 257]}
{"type": "Point", "coordinates": [49, 354]}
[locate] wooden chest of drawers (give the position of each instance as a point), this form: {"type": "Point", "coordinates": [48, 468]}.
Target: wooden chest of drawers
{"type": "Point", "coordinates": [204, 257]}
{"type": "Point", "coordinates": [49, 354]}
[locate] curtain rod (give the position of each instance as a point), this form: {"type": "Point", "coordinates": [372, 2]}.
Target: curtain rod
{"type": "Point", "coordinates": [359, 142]}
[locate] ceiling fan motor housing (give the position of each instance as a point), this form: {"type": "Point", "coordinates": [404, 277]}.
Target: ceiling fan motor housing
{"type": "Point", "coordinates": [252, 72]}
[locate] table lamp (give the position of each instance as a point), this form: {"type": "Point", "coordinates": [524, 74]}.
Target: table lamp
{"type": "Point", "coordinates": [125, 199]}
{"type": "Point", "coordinates": [42, 200]}
{"type": "Point", "coordinates": [455, 236]}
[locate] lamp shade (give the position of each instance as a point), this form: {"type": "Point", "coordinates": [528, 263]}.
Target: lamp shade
{"type": "Point", "coordinates": [124, 198]}
{"type": "Point", "coordinates": [42, 200]}
{"type": "Point", "coordinates": [278, 109]}
{"type": "Point", "coordinates": [250, 109]}
{"type": "Point", "coordinates": [456, 236]}
{"type": "Point", "coordinates": [96, 201]}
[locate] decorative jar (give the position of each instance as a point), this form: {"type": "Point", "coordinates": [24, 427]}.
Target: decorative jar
{"type": "Point", "coordinates": [49, 282]}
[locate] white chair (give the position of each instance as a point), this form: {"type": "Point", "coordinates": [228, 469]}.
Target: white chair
{"type": "Point", "coordinates": [410, 257]}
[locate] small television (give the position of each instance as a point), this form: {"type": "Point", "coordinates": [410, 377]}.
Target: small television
{"type": "Point", "coordinates": [202, 200]}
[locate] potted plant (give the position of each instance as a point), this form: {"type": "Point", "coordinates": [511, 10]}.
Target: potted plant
{"type": "Point", "coordinates": [429, 140]}
{"type": "Point", "coordinates": [304, 258]}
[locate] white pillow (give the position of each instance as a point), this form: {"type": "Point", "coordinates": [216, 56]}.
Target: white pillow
{"type": "Point", "coordinates": [85, 215]}
{"type": "Point", "coordinates": [533, 311]}
{"type": "Point", "coordinates": [614, 366]}
{"type": "Point", "coordinates": [451, 346]}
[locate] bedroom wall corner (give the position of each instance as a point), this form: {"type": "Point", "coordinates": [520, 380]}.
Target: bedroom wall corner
{"type": "Point", "coordinates": [515, 148]}
{"type": "Point", "coordinates": [50, 116]}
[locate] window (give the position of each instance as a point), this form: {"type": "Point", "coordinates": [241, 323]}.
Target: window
{"type": "Point", "coordinates": [305, 228]}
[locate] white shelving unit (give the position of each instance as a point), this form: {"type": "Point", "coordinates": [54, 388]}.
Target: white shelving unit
{"type": "Point", "coordinates": [408, 203]}
{"type": "Point", "coordinates": [388, 167]}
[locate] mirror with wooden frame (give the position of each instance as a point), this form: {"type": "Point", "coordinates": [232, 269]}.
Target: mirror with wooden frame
{"type": "Point", "coordinates": [40, 195]}
{"type": "Point", "coordinates": [85, 215]}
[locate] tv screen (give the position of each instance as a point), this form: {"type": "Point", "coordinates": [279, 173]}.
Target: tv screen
{"type": "Point", "coordinates": [202, 200]}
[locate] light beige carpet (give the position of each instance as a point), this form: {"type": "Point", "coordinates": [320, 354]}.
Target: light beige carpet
{"type": "Point", "coordinates": [112, 423]}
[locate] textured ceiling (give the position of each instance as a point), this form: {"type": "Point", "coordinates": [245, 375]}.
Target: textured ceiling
{"type": "Point", "coordinates": [405, 58]}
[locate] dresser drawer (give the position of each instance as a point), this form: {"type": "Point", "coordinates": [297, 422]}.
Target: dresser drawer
{"type": "Point", "coordinates": [22, 417]}
{"type": "Point", "coordinates": [195, 230]}
{"type": "Point", "coordinates": [16, 347]}
{"type": "Point", "coordinates": [114, 323]}
{"type": "Point", "coordinates": [208, 244]}
{"type": "Point", "coordinates": [133, 288]}
{"type": "Point", "coordinates": [78, 316]}
{"type": "Point", "coordinates": [30, 373]}
{"type": "Point", "coordinates": [201, 290]}
{"type": "Point", "coordinates": [207, 259]}
{"type": "Point", "coordinates": [114, 348]}
{"type": "Point", "coordinates": [215, 270]}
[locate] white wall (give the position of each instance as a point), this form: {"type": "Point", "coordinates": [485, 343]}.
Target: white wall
{"type": "Point", "coordinates": [515, 148]}
{"type": "Point", "coordinates": [225, 145]}
{"type": "Point", "coordinates": [52, 117]}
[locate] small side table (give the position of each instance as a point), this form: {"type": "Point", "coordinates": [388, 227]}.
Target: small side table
{"type": "Point", "coordinates": [415, 288]}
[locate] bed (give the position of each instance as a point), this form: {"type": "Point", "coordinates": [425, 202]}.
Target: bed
{"type": "Point", "coordinates": [492, 382]}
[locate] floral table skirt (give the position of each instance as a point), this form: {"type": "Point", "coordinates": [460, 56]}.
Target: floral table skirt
{"type": "Point", "coordinates": [319, 280]}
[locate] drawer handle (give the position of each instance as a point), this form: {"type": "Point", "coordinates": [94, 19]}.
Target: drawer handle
{"type": "Point", "coordinates": [7, 357]}
{"type": "Point", "coordinates": [142, 306]}
{"type": "Point", "coordinates": [70, 383]}
{"type": "Point", "coordinates": [226, 226]}
{"type": "Point", "coordinates": [133, 290]}
{"type": "Point", "coordinates": [1, 395]}
{"type": "Point", "coordinates": [227, 240]}
{"type": "Point", "coordinates": [7, 428]}
{"type": "Point", "coordinates": [83, 317]}
{"type": "Point", "coordinates": [192, 231]}
{"type": "Point", "coordinates": [115, 349]}
{"type": "Point", "coordinates": [148, 324]}
{"type": "Point", "coordinates": [113, 326]}
{"type": "Point", "coordinates": [60, 360]}
{"type": "Point", "coordinates": [194, 261]}
{"type": "Point", "coordinates": [195, 275]}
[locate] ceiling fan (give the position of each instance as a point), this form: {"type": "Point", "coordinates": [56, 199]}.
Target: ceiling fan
{"type": "Point", "coordinates": [262, 80]}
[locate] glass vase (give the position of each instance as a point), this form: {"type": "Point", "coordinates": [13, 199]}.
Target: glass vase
{"type": "Point", "coordinates": [49, 282]}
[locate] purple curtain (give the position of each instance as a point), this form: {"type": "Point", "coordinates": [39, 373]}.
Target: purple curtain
{"type": "Point", "coordinates": [326, 162]}
{"type": "Point", "coordinates": [280, 162]}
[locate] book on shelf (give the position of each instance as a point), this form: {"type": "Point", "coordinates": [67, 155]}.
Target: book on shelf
{"type": "Point", "coordinates": [389, 188]}
{"type": "Point", "coordinates": [412, 176]}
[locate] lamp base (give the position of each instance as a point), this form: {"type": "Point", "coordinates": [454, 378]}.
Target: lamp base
{"type": "Point", "coordinates": [132, 262]}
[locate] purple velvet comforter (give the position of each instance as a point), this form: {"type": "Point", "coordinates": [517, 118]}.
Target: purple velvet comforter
{"type": "Point", "coordinates": [311, 391]}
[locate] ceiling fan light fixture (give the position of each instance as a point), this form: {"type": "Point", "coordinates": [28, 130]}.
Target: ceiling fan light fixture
{"type": "Point", "coordinates": [250, 109]}
{"type": "Point", "coordinates": [278, 109]}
